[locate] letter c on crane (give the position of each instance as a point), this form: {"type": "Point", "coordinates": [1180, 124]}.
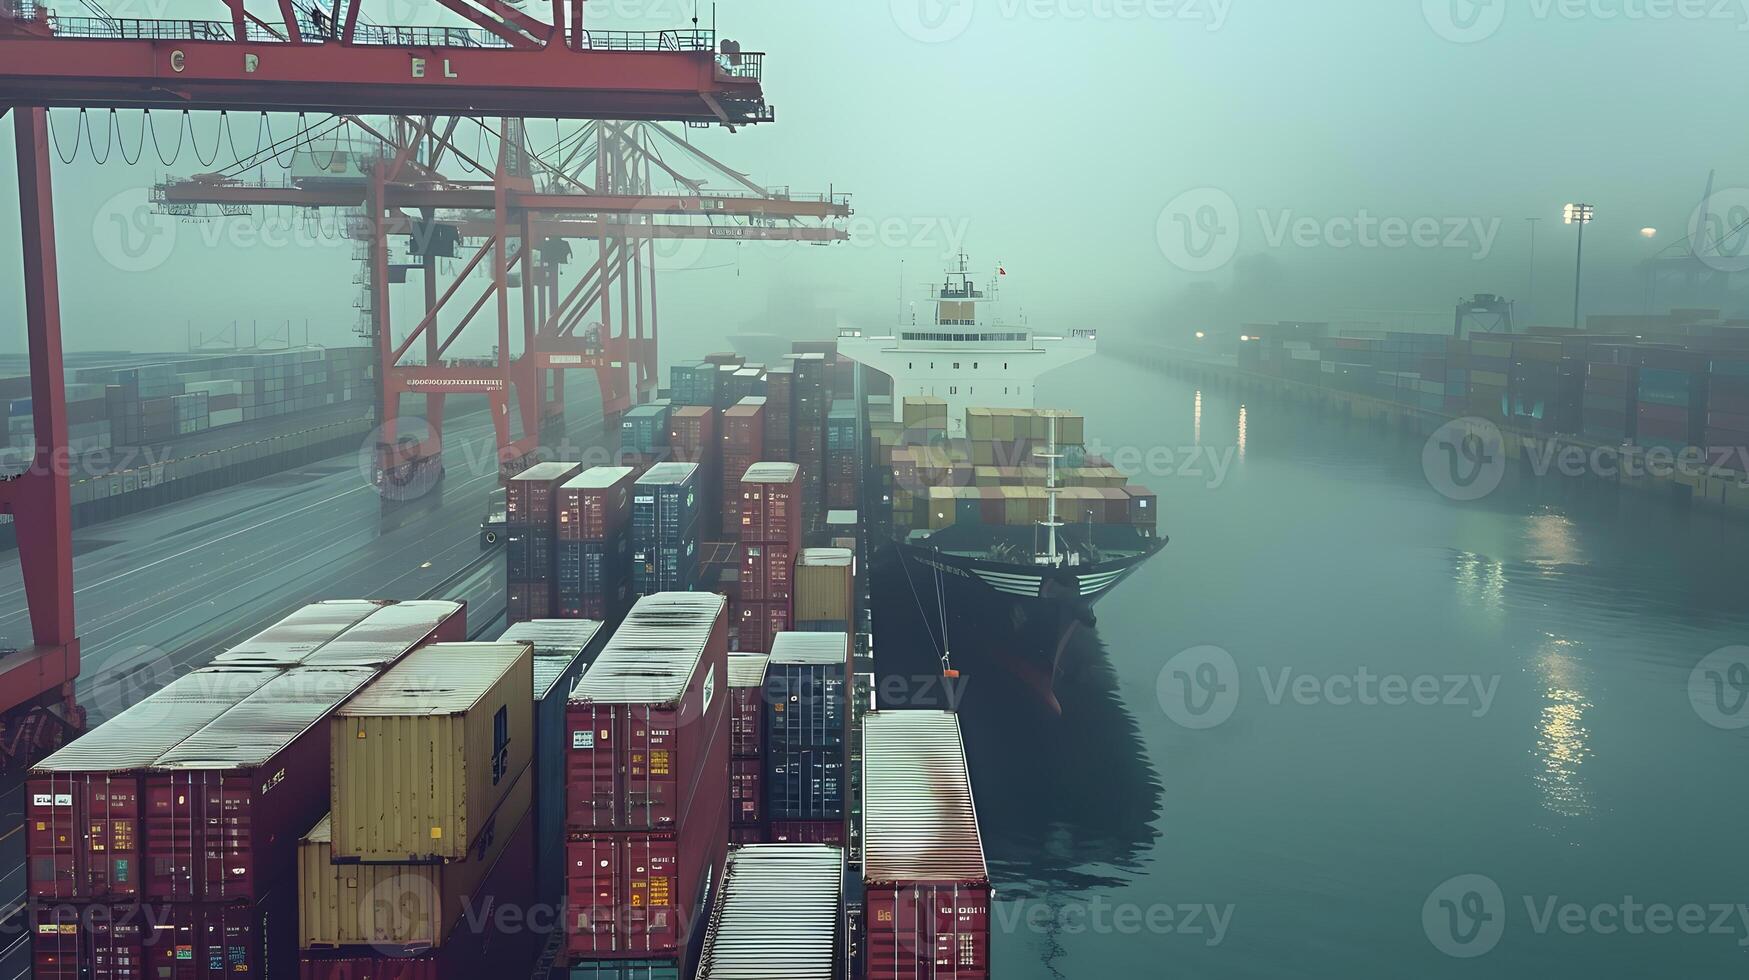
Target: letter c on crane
{"type": "Point", "coordinates": [178, 61]}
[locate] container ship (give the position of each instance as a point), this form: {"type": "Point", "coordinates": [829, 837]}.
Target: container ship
{"type": "Point", "coordinates": [998, 511]}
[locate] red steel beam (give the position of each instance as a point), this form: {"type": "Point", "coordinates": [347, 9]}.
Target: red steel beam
{"type": "Point", "coordinates": [39, 499]}
{"type": "Point", "coordinates": [340, 78]}
{"type": "Point", "coordinates": [482, 199]}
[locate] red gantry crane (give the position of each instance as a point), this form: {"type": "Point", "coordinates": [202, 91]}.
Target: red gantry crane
{"type": "Point", "coordinates": [515, 226]}
{"type": "Point", "coordinates": [316, 58]}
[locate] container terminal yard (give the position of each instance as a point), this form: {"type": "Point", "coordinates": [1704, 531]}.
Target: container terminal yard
{"type": "Point", "coordinates": [581, 579]}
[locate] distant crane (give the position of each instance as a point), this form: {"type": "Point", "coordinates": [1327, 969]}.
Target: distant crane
{"type": "Point", "coordinates": [1482, 313]}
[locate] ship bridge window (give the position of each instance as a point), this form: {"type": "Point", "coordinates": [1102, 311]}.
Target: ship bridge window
{"type": "Point", "coordinates": [956, 365]}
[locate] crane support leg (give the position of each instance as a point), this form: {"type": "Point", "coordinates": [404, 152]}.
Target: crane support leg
{"type": "Point", "coordinates": [39, 499]}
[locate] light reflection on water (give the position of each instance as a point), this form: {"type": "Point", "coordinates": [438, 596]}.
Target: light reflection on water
{"type": "Point", "coordinates": [1563, 743]}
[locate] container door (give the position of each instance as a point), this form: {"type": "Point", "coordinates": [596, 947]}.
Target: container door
{"type": "Point", "coordinates": [228, 836]}
{"type": "Point", "coordinates": [961, 928]}
{"type": "Point", "coordinates": [113, 825]}
{"type": "Point", "coordinates": [651, 752]}
{"type": "Point", "coordinates": [52, 836]}
{"type": "Point", "coordinates": [59, 945]}
{"type": "Point", "coordinates": [118, 945]}
{"type": "Point", "coordinates": [171, 829]}
{"type": "Point", "coordinates": [652, 893]}
{"type": "Point", "coordinates": [591, 767]}
{"type": "Point", "coordinates": [592, 889]}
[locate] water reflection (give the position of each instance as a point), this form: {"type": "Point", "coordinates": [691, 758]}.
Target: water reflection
{"type": "Point", "coordinates": [1480, 580]}
{"type": "Point", "coordinates": [1242, 422]}
{"type": "Point", "coordinates": [1563, 743]}
{"type": "Point", "coordinates": [1196, 419]}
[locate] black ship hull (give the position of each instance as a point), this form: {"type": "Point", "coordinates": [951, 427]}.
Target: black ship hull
{"type": "Point", "coordinates": [1018, 618]}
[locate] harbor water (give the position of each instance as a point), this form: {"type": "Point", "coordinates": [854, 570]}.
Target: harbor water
{"type": "Point", "coordinates": [1349, 726]}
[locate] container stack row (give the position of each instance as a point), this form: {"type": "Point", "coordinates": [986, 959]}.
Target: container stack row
{"type": "Point", "coordinates": [743, 445]}
{"type": "Point", "coordinates": [770, 542]}
{"type": "Point", "coordinates": [647, 794]}
{"type": "Point", "coordinates": [925, 880]}
{"type": "Point", "coordinates": [665, 529]}
{"type": "Point", "coordinates": [164, 842]}
{"type": "Point", "coordinates": [807, 733]}
{"type": "Point", "coordinates": [531, 500]}
{"type": "Point", "coordinates": [432, 801]}
{"type": "Point", "coordinates": [747, 673]}
{"type": "Point", "coordinates": [593, 544]}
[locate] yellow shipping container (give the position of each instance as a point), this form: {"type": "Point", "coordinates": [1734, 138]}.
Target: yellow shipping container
{"type": "Point", "coordinates": [423, 756]}
{"type": "Point", "coordinates": [394, 904]}
{"type": "Point", "coordinates": [942, 511]}
{"type": "Point", "coordinates": [922, 412]}
{"type": "Point", "coordinates": [823, 586]}
{"type": "Point", "coordinates": [981, 424]}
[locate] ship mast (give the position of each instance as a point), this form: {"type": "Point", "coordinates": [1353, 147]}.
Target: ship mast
{"type": "Point", "coordinates": [1051, 490]}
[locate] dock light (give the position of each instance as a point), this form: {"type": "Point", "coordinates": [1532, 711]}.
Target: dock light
{"type": "Point", "coordinates": [1648, 233]}
{"type": "Point", "coordinates": [1581, 215]}
{"type": "Point", "coordinates": [1200, 335]}
{"type": "Point", "coordinates": [1244, 338]}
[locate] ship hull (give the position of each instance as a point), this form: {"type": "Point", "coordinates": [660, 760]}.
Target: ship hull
{"type": "Point", "coordinates": [1014, 617]}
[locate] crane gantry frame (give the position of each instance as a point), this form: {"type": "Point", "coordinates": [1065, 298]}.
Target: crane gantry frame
{"type": "Point", "coordinates": [509, 64]}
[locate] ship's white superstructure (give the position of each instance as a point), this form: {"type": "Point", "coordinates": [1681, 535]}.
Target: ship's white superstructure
{"type": "Point", "coordinates": [964, 352]}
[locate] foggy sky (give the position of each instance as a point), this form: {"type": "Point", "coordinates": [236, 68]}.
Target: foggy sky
{"type": "Point", "coordinates": [1056, 137]}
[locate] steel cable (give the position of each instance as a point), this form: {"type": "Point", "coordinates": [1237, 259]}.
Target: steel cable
{"type": "Point", "coordinates": [49, 117]}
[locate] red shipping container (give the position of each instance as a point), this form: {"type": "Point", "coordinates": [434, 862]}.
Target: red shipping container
{"type": "Point", "coordinates": [225, 808]}
{"type": "Point", "coordinates": [778, 619]}
{"type": "Point", "coordinates": [925, 877]}
{"type": "Point", "coordinates": [84, 834]}
{"type": "Point", "coordinates": [746, 791]}
{"type": "Point", "coordinates": [747, 835]}
{"type": "Point", "coordinates": [767, 571]}
{"type": "Point", "coordinates": [88, 942]}
{"type": "Point", "coordinates": [648, 720]}
{"type": "Point", "coordinates": [807, 832]}
{"type": "Point", "coordinates": [632, 894]}
{"type": "Point", "coordinates": [528, 600]}
{"type": "Point", "coordinates": [747, 705]}
{"type": "Point", "coordinates": [532, 496]}
{"type": "Point", "coordinates": [596, 503]}
{"type": "Point", "coordinates": [744, 426]}
{"type": "Point", "coordinates": [215, 941]}
{"type": "Point", "coordinates": [692, 433]}
{"type": "Point", "coordinates": [771, 503]}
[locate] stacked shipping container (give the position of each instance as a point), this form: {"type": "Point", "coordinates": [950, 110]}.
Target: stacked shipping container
{"type": "Point", "coordinates": [807, 734]}
{"type": "Point", "coordinates": [647, 797]}
{"type": "Point", "coordinates": [563, 649]}
{"type": "Point", "coordinates": [743, 445]}
{"type": "Point", "coordinates": [825, 599]}
{"type": "Point", "coordinates": [665, 533]}
{"type": "Point", "coordinates": [925, 879]}
{"type": "Point", "coordinates": [771, 537]}
{"type": "Point", "coordinates": [179, 810]}
{"type": "Point", "coordinates": [747, 748]}
{"type": "Point", "coordinates": [593, 550]}
{"type": "Point", "coordinates": [692, 438]}
{"type": "Point", "coordinates": [530, 506]}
